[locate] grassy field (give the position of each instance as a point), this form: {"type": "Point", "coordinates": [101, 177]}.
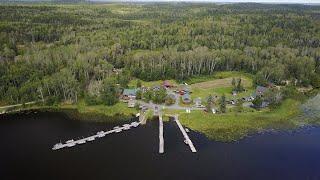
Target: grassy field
{"type": "Point", "coordinates": [219, 75]}
{"type": "Point", "coordinates": [220, 84]}
{"type": "Point", "coordinates": [225, 82]}
{"type": "Point", "coordinates": [234, 126]}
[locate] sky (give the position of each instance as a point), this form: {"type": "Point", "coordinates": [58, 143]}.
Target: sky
{"type": "Point", "coordinates": [256, 1]}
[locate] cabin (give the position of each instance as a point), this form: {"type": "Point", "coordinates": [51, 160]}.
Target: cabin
{"type": "Point", "coordinates": [128, 94]}
{"type": "Point", "coordinates": [186, 98]}
{"type": "Point", "coordinates": [167, 84]}
{"type": "Point", "coordinates": [184, 89]}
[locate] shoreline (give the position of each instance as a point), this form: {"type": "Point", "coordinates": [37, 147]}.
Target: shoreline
{"type": "Point", "coordinates": [75, 114]}
{"type": "Point", "coordinates": [230, 127]}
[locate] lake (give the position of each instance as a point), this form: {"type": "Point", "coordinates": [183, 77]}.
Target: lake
{"type": "Point", "coordinates": [27, 139]}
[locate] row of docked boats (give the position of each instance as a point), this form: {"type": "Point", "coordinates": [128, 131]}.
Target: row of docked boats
{"type": "Point", "coordinates": [100, 134]}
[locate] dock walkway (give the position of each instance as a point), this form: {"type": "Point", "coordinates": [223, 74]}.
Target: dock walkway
{"type": "Point", "coordinates": [161, 140]}
{"type": "Point", "coordinates": [185, 135]}
{"type": "Point", "coordinates": [71, 143]}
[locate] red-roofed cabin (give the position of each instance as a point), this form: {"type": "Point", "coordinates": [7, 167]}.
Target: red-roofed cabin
{"type": "Point", "coordinates": [167, 84]}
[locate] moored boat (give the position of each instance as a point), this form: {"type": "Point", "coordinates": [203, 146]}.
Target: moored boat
{"type": "Point", "coordinates": [82, 141]}
{"type": "Point", "coordinates": [118, 130]}
{"type": "Point", "coordinates": [90, 138]}
{"type": "Point", "coordinates": [185, 141]}
{"type": "Point", "coordinates": [71, 144]}
{"type": "Point", "coordinates": [70, 141]}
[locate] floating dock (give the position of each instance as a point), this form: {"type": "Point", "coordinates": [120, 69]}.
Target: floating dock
{"type": "Point", "coordinates": [161, 140]}
{"type": "Point", "coordinates": [187, 140]}
{"type": "Point", "coordinates": [100, 134]}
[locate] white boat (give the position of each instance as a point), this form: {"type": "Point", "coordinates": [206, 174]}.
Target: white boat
{"type": "Point", "coordinates": [71, 144]}
{"type": "Point", "coordinates": [81, 141]}
{"type": "Point", "coordinates": [187, 130]}
{"type": "Point", "coordinates": [58, 146]}
{"type": "Point", "coordinates": [185, 141]}
{"type": "Point", "coordinates": [126, 125]}
{"type": "Point", "coordinates": [101, 134]}
{"type": "Point", "coordinates": [109, 132]}
{"type": "Point", "coordinates": [90, 139]}
{"type": "Point", "coordinates": [70, 141]}
{"type": "Point", "coordinates": [134, 124]}
{"type": "Point", "coordinates": [118, 130]}
{"type": "Point", "coordinates": [126, 128]}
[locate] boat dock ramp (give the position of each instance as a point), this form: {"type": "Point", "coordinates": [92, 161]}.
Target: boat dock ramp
{"type": "Point", "coordinates": [100, 134]}
{"type": "Point", "coordinates": [187, 140]}
{"type": "Point", "coordinates": [118, 129]}
{"type": "Point", "coordinates": [161, 140]}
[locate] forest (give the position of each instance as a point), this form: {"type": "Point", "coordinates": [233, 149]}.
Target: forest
{"type": "Point", "coordinates": [64, 52]}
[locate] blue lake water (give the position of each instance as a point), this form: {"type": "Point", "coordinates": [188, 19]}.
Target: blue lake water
{"type": "Point", "coordinates": [27, 139]}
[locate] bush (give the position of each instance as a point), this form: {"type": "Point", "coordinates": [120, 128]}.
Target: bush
{"type": "Point", "coordinates": [170, 100]}
{"type": "Point", "coordinates": [52, 100]}
{"type": "Point", "coordinates": [290, 92]}
{"type": "Point", "coordinates": [315, 81]}
{"type": "Point", "coordinates": [92, 100]}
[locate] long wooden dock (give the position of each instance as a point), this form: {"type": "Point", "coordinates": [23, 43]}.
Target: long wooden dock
{"type": "Point", "coordinates": [117, 129]}
{"type": "Point", "coordinates": [161, 140]}
{"type": "Point", "coordinates": [185, 135]}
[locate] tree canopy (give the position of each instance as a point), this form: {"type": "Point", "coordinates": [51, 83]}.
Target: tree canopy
{"type": "Point", "coordinates": [68, 51]}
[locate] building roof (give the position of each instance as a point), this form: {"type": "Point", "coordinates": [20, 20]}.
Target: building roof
{"type": "Point", "coordinates": [166, 83]}
{"type": "Point", "coordinates": [184, 87]}
{"type": "Point", "coordinates": [186, 98]}
{"type": "Point", "coordinates": [129, 92]}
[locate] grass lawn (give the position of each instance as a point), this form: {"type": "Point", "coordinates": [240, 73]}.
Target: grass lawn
{"type": "Point", "coordinates": [219, 75]}
{"type": "Point", "coordinates": [233, 126]}
{"type": "Point", "coordinates": [222, 86]}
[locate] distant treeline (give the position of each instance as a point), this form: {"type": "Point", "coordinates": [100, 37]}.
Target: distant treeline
{"type": "Point", "coordinates": [64, 52]}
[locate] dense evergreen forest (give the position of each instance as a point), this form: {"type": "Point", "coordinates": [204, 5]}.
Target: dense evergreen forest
{"type": "Point", "coordinates": [66, 52]}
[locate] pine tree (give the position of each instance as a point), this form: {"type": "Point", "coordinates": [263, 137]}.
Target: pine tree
{"type": "Point", "coordinates": [223, 104]}
{"type": "Point", "coordinates": [209, 103]}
